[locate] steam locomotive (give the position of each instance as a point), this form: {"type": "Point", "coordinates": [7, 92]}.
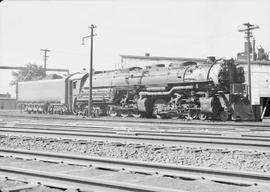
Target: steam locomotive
{"type": "Point", "coordinates": [193, 90]}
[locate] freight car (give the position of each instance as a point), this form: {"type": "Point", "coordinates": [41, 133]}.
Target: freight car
{"type": "Point", "coordinates": [212, 89]}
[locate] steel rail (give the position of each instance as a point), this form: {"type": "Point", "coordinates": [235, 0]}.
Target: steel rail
{"type": "Point", "coordinates": [136, 120]}
{"type": "Point", "coordinates": [185, 126]}
{"type": "Point", "coordinates": [145, 129]}
{"type": "Point", "coordinates": [110, 127]}
{"type": "Point", "coordinates": [81, 183]}
{"type": "Point", "coordinates": [95, 129]}
{"type": "Point", "coordinates": [161, 140]}
{"type": "Point", "coordinates": [148, 127]}
{"type": "Point", "coordinates": [230, 176]}
{"type": "Point", "coordinates": [136, 133]}
{"type": "Point", "coordinates": [132, 126]}
{"type": "Point", "coordinates": [125, 130]}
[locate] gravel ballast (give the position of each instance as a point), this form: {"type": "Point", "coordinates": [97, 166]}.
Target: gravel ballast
{"type": "Point", "coordinates": [181, 155]}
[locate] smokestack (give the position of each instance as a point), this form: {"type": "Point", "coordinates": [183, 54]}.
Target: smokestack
{"type": "Point", "coordinates": [147, 54]}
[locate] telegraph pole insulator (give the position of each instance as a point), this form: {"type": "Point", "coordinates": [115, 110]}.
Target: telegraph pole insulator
{"type": "Point", "coordinates": [248, 31]}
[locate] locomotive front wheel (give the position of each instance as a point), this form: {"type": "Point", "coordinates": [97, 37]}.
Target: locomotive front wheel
{"type": "Point", "coordinates": [192, 115]}
{"type": "Point", "coordinates": [202, 116]}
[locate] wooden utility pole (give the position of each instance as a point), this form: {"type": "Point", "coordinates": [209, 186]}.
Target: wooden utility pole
{"type": "Point", "coordinates": [45, 58]}
{"type": "Point", "coordinates": [90, 99]}
{"type": "Point", "coordinates": [248, 28]}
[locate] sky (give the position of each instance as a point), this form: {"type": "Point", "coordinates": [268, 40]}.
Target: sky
{"type": "Point", "coordinates": [177, 28]}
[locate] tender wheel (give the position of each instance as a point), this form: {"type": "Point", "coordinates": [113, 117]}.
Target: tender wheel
{"type": "Point", "coordinates": [50, 109]}
{"type": "Point", "coordinates": [202, 116]}
{"type": "Point", "coordinates": [224, 116]}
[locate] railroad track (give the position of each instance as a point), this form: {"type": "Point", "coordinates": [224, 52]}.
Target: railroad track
{"type": "Point", "coordinates": [253, 125]}
{"type": "Point", "coordinates": [63, 181]}
{"type": "Point", "coordinates": [250, 143]}
{"type": "Point", "coordinates": [189, 172]}
{"type": "Point", "coordinates": [127, 132]}
{"type": "Point", "coordinates": [141, 127]}
{"type": "Point", "coordinates": [113, 130]}
{"type": "Point", "coordinates": [145, 127]}
{"type": "Point", "coordinates": [138, 126]}
{"type": "Point", "coordinates": [140, 131]}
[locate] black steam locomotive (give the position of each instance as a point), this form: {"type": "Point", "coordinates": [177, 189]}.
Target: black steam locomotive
{"type": "Point", "coordinates": [191, 90]}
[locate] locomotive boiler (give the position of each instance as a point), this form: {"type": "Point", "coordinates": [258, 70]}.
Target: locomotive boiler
{"type": "Point", "coordinates": [191, 90]}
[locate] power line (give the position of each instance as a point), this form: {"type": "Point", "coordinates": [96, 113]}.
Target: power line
{"type": "Point", "coordinates": [45, 58]}
{"type": "Point", "coordinates": [248, 31]}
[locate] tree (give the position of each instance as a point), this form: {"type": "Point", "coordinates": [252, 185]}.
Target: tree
{"type": "Point", "coordinates": [32, 72]}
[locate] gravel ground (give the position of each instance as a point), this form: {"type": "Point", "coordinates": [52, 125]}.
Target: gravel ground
{"type": "Point", "coordinates": [190, 156]}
